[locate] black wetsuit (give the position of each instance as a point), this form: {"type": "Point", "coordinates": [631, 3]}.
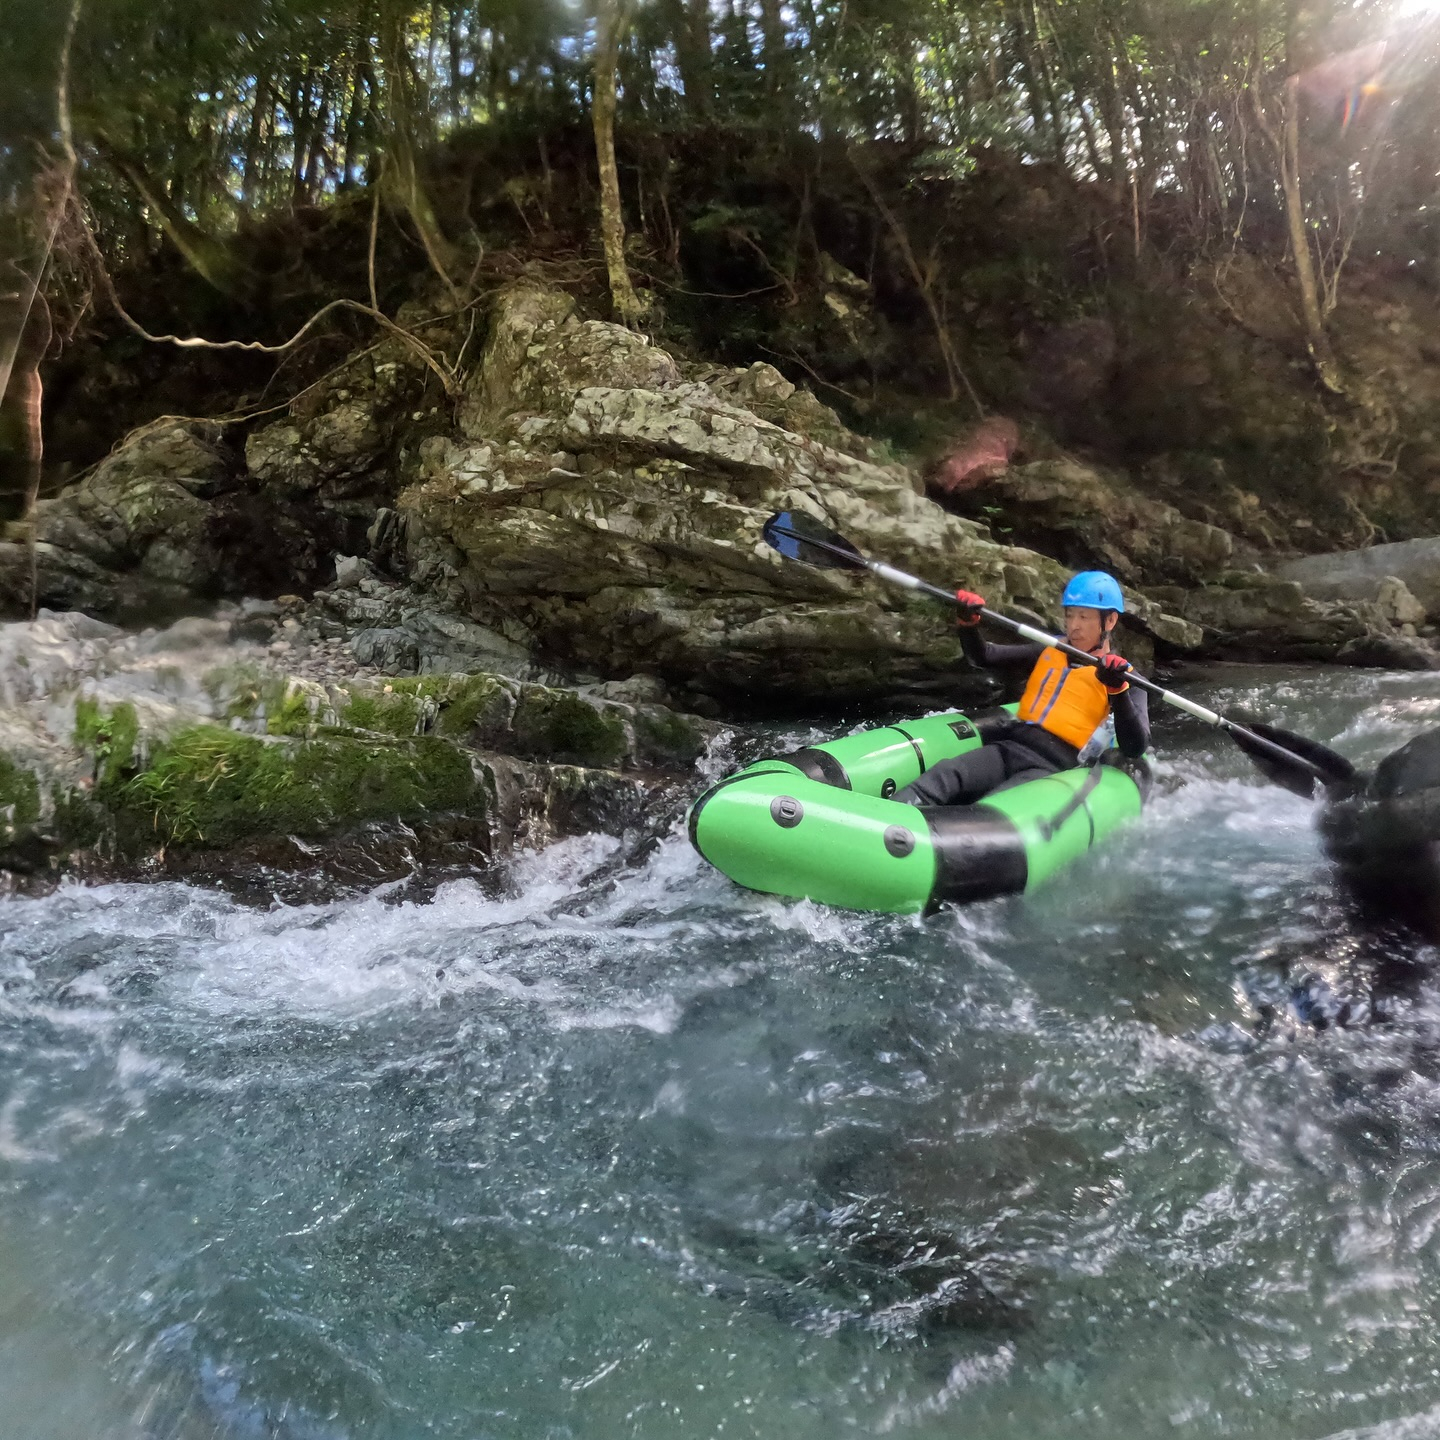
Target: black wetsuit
{"type": "Point", "coordinates": [1019, 751]}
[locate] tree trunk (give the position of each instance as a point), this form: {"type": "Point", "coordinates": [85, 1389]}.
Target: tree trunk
{"type": "Point", "coordinates": [610, 25]}
{"type": "Point", "coordinates": [22, 397]}
{"type": "Point", "coordinates": [1286, 148]}
{"type": "Point", "coordinates": [402, 115]}
{"type": "Point", "coordinates": [1316, 339]}
{"type": "Point", "coordinates": [457, 103]}
{"type": "Point", "coordinates": [211, 259]}
{"type": "Point", "coordinates": [359, 98]}
{"type": "Point", "coordinates": [774, 50]}
{"type": "Point", "coordinates": [689, 25]}
{"type": "Point", "coordinates": [254, 144]}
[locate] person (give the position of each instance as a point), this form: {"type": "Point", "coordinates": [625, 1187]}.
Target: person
{"type": "Point", "coordinates": [1064, 705]}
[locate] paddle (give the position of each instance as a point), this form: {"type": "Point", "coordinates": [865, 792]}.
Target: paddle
{"type": "Point", "coordinates": [1289, 760]}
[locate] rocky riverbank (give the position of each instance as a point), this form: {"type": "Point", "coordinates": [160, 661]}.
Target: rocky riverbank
{"type": "Point", "coordinates": [196, 750]}
{"type": "Point", "coordinates": [512, 606]}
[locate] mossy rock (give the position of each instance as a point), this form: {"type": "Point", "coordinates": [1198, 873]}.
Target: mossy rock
{"type": "Point", "coordinates": [664, 737]}
{"type": "Point", "coordinates": [19, 801]}
{"type": "Point", "coordinates": [558, 726]}
{"type": "Point", "coordinates": [213, 787]}
{"type": "Point", "coordinates": [108, 736]}
{"type": "Point", "coordinates": [455, 707]}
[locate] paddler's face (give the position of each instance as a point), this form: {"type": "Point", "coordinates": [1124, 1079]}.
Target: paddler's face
{"type": "Point", "coordinates": [1084, 628]}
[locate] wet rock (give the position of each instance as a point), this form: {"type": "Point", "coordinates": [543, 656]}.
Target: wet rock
{"type": "Point", "coordinates": [118, 750]}
{"type": "Point", "coordinates": [1264, 616]}
{"type": "Point", "coordinates": [1385, 835]}
{"type": "Point", "coordinates": [422, 629]}
{"type": "Point", "coordinates": [1390, 652]}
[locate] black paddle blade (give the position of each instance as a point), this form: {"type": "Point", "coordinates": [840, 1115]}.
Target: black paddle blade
{"type": "Point", "coordinates": [1291, 770]}
{"type": "Point", "coordinates": [799, 537]}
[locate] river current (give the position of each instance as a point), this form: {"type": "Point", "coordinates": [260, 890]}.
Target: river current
{"type": "Point", "coordinates": [1155, 1151]}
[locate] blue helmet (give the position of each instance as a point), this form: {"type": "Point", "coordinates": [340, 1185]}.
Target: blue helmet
{"type": "Point", "coordinates": [1095, 590]}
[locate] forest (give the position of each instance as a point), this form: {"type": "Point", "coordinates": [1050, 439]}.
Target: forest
{"type": "Point", "coordinates": [722, 160]}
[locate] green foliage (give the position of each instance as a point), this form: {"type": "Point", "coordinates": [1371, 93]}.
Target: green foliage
{"type": "Point", "coordinates": [448, 705]}
{"type": "Point", "coordinates": [218, 112]}
{"type": "Point", "coordinates": [19, 799]}
{"type": "Point", "coordinates": [110, 737]}
{"type": "Point", "coordinates": [1016, 156]}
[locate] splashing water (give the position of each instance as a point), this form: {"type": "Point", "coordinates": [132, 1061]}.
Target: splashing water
{"type": "Point", "coordinates": [660, 1157]}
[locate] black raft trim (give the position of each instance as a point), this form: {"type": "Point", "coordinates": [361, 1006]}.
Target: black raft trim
{"type": "Point", "coordinates": [818, 765]}
{"type": "Point", "coordinates": [914, 745]}
{"type": "Point", "coordinates": [978, 854]}
{"type": "Point", "coordinates": [692, 823]}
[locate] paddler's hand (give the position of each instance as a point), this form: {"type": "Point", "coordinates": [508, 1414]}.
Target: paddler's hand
{"type": "Point", "coordinates": [970, 605]}
{"type": "Point", "coordinates": [1113, 672]}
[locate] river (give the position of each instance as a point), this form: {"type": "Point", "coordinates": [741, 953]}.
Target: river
{"type": "Point", "coordinates": [659, 1157]}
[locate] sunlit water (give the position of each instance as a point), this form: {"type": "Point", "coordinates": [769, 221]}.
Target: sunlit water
{"type": "Point", "coordinates": [665, 1158]}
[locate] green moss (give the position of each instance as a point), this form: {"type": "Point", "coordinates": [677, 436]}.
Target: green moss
{"type": "Point", "coordinates": [109, 737]}
{"type": "Point", "coordinates": [450, 705]}
{"type": "Point", "coordinates": [288, 712]}
{"type": "Point", "coordinates": [669, 736]}
{"type": "Point", "coordinates": [555, 725]}
{"type": "Point", "coordinates": [471, 699]}
{"type": "Point", "coordinates": [19, 799]}
{"type": "Point", "coordinates": [385, 713]}
{"type": "Point", "coordinates": [210, 786]}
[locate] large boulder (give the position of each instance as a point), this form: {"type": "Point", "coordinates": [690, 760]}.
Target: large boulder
{"type": "Point", "coordinates": [1359, 574]}
{"type": "Point", "coordinates": [1088, 516]}
{"type": "Point", "coordinates": [337, 435]}
{"type": "Point", "coordinates": [609, 504]}
{"type": "Point", "coordinates": [176, 513]}
{"type": "Point", "coordinates": [1262, 616]}
{"type": "Point", "coordinates": [131, 534]}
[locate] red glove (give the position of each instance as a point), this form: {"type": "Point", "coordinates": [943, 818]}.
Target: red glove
{"type": "Point", "coordinates": [1112, 671]}
{"type": "Point", "coordinates": [970, 605]}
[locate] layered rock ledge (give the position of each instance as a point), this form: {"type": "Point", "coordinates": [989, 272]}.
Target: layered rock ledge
{"type": "Point", "coordinates": [190, 751]}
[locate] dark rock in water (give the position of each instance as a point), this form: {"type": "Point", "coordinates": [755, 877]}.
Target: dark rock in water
{"type": "Point", "coordinates": [1386, 836]}
{"type": "Point", "coordinates": [1390, 652]}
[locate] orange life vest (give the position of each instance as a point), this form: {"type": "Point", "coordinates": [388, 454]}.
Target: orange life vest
{"type": "Point", "coordinates": [1067, 700]}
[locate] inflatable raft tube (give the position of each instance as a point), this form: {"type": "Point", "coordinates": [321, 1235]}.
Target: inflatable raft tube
{"type": "Point", "coordinates": [819, 823]}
